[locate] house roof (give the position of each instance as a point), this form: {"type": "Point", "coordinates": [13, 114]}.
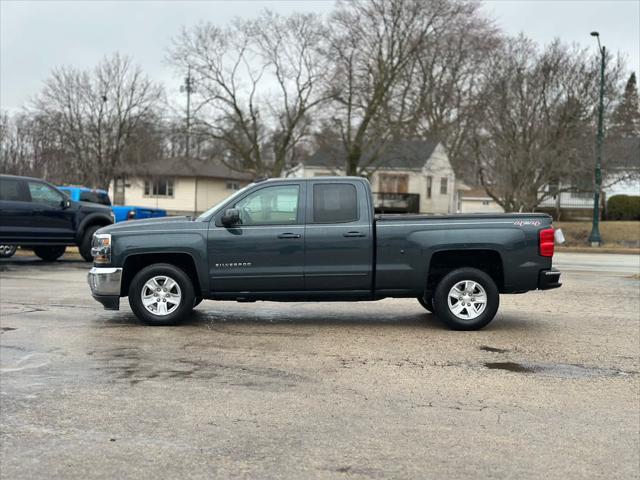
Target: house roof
{"type": "Point", "coordinates": [475, 193]}
{"type": "Point", "coordinates": [187, 167]}
{"type": "Point", "coordinates": [407, 154]}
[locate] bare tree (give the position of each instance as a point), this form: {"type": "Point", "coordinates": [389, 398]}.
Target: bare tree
{"type": "Point", "coordinates": [444, 83]}
{"type": "Point", "coordinates": [536, 131]}
{"type": "Point", "coordinates": [374, 46]}
{"type": "Point", "coordinates": [256, 80]}
{"type": "Point", "coordinates": [96, 113]}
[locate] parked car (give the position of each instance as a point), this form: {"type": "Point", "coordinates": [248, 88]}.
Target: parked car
{"type": "Point", "coordinates": [121, 212]}
{"type": "Point", "coordinates": [36, 215]}
{"type": "Point", "coordinates": [318, 239]}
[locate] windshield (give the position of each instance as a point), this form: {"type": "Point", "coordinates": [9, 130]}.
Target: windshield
{"type": "Point", "coordinates": [206, 215]}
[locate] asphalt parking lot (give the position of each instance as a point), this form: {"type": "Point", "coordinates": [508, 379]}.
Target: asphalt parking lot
{"type": "Point", "coordinates": [340, 390]}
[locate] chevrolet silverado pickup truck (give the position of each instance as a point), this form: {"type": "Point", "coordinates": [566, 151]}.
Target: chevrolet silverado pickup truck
{"type": "Point", "coordinates": [318, 239]}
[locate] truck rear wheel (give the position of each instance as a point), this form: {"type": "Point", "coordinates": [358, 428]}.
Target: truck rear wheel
{"type": "Point", "coordinates": [49, 254]}
{"type": "Point", "coordinates": [161, 294]}
{"type": "Point", "coordinates": [7, 251]}
{"type": "Point", "coordinates": [466, 299]}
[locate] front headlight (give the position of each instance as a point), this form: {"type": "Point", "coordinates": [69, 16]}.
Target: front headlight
{"type": "Point", "coordinates": [101, 248]}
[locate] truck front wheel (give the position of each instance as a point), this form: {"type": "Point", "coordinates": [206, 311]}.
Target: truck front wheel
{"type": "Point", "coordinates": [161, 294]}
{"type": "Point", "coordinates": [49, 254]}
{"type": "Point", "coordinates": [466, 299]}
{"type": "Point", "coordinates": [85, 244]}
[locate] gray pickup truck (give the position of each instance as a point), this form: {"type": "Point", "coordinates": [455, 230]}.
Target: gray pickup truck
{"type": "Point", "coordinates": [318, 239]}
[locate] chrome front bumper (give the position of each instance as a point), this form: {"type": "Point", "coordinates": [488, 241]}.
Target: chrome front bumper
{"type": "Point", "coordinates": [105, 286]}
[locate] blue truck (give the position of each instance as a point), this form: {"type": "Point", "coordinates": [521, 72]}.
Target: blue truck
{"type": "Point", "coordinates": [121, 212]}
{"type": "Point", "coordinates": [318, 239]}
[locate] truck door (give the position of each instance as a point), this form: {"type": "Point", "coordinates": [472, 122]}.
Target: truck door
{"type": "Point", "coordinates": [338, 237]}
{"type": "Point", "coordinates": [265, 252]}
{"type": "Point", "coordinates": [52, 218]}
{"type": "Point", "coordinates": [16, 223]}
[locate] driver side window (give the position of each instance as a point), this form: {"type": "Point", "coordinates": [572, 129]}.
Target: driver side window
{"type": "Point", "coordinates": [277, 205]}
{"type": "Point", "coordinates": [42, 193]}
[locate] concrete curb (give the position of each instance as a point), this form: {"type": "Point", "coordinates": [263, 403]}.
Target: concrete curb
{"type": "Point", "coordinates": [625, 251]}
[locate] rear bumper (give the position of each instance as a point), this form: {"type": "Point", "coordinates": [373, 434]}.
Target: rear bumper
{"type": "Point", "coordinates": [549, 279]}
{"type": "Point", "coordinates": [105, 286]}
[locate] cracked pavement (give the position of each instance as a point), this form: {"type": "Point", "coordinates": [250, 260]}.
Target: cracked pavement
{"type": "Point", "coordinates": [328, 390]}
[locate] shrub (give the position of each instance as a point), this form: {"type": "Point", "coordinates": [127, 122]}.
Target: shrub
{"type": "Point", "coordinates": [623, 207]}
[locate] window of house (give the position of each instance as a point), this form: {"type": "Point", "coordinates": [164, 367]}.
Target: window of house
{"type": "Point", "coordinates": [582, 195]}
{"type": "Point", "coordinates": [233, 186]}
{"type": "Point", "coordinates": [444, 183]}
{"type": "Point", "coordinates": [393, 183]}
{"type": "Point", "coordinates": [429, 186]}
{"type": "Point", "coordinates": [334, 203]}
{"type": "Point", "coordinates": [118, 191]}
{"type": "Point", "coordinates": [486, 202]}
{"type": "Point", "coordinates": [42, 193]}
{"type": "Point", "coordinates": [277, 205]}
{"type": "Point", "coordinates": [158, 188]}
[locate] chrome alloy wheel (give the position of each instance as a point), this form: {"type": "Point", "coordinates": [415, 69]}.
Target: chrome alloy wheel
{"type": "Point", "coordinates": [7, 250]}
{"type": "Point", "coordinates": [467, 300]}
{"type": "Point", "coordinates": [161, 295]}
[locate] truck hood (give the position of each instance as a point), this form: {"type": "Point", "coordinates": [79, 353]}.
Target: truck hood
{"type": "Point", "coordinates": [94, 207]}
{"type": "Point", "coordinates": [152, 224]}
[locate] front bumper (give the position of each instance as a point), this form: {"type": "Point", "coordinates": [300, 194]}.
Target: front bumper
{"type": "Point", "coordinates": [549, 279]}
{"type": "Point", "coordinates": [105, 286]}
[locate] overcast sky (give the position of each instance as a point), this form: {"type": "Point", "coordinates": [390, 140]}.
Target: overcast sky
{"type": "Point", "coordinates": [36, 35]}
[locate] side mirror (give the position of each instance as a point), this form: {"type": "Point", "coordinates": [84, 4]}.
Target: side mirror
{"type": "Point", "coordinates": [231, 217]}
{"type": "Point", "coordinates": [66, 203]}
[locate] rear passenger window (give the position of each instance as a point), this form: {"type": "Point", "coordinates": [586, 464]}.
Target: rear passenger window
{"type": "Point", "coordinates": [10, 190]}
{"type": "Point", "coordinates": [334, 203]}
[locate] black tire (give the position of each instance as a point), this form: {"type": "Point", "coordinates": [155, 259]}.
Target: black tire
{"type": "Point", "coordinates": [441, 304]}
{"type": "Point", "coordinates": [7, 251]}
{"type": "Point", "coordinates": [85, 244]}
{"type": "Point", "coordinates": [427, 303]}
{"type": "Point", "coordinates": [186, 290]}
{"type": "Point", "coordinates": [197, 301]}
{"type": "Point", "coordinates": [50, 254]}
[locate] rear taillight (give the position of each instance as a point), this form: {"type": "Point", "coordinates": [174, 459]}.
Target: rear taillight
{"type": "Point", "coordinates": [546, 239]}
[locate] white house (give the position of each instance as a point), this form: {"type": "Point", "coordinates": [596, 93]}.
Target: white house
{"type": "Point", "coordinates": [413, 176]}
{"type": "Point", "coordinates": [179, 185]}
{"type": "Point", "coordinates": [476, 200]}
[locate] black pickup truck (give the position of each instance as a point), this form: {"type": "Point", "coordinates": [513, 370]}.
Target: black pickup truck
{"type": "Point", "coordinates": [36, 215]}
{"type": "Point", "coordinates": [318, 239]}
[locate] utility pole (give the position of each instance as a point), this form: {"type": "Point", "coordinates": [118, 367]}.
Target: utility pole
{"type": "Point", "coordinates": [594, 238]}
{"type": "Point", "coordinates": [188, 87]}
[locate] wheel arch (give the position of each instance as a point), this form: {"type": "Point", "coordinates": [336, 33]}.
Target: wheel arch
{"type": "Point", "coordinates": [135, 262]}
{"type": "Point", "coordinates": [444, 261]}
{"type": "Point", "coordinates": [96, 219]}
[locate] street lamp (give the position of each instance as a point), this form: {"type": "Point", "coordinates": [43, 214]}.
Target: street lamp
{"type": "Point", "coordinates": [594, 237]}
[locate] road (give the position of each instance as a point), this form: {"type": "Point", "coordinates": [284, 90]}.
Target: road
{"type": "Point", "coordinates": [304, 390]}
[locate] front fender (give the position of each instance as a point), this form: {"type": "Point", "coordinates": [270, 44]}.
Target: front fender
{"type": "Point", "coordinates": [170, 243]}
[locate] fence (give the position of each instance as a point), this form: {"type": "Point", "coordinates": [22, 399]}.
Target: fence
{"type": "Point", "coordinates": [396, 202]}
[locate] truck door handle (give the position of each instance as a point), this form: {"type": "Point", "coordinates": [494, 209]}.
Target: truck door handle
{"type": "Point", "coordinates": [354, 234]}
{"type": "Point", "coordinates": [289, 235]}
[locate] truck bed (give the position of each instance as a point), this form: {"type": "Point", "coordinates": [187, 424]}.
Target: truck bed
{"type": "Point", "coordinates": [396, 217]}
